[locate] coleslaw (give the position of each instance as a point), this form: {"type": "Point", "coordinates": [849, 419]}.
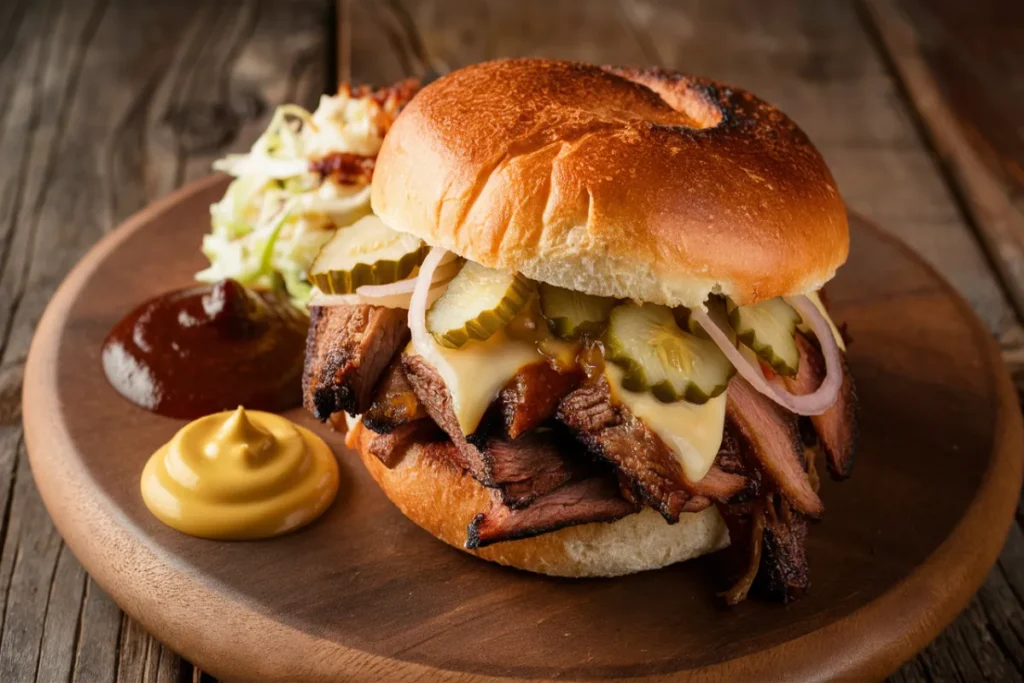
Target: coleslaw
{"type": "Point", "coordinates": [307, 175]}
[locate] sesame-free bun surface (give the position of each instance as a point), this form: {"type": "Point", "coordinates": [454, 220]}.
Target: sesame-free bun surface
{"type": "Point", "coordinates": [444, 501]}
{"type": "Point", "coordinates": [633, 183]}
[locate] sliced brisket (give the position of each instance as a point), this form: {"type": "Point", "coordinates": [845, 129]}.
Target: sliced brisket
{"type": "Point", "coordinates": [783, 575]}
{"type": "Point", "coordinates": [533, 465]}
{"type": "Point", "coordinates": [614, 434]}
{"type": "Point", "coordinates": [731, 459]}
{"type": "Point", "coordinates": [347, 348]}
{"type": "Point", "coordinates": [746, 533]}
{"type": "Point", "coordinates": [768, 549]}
{"type": "Point", "coordinates": [531, 397]}
{"type": "Point", "coordinates": [770, 435]}
{"type": "Point", "coordinates": [394, 401]}
{"type": "Point", "coordinates": [595, 499]}
{"type": "Point", "coordinates": [437, 401]}
{"type": "Point", "coordinates": [626, 443]}
{"type": "Point", "coordinates": [522, 469]}
{"type": "Point", "coordinates": [836, 428]}
{"type": "Point", "coordinates": [389, 448]}
{"type": "Point", "coordinates": [721, 485]}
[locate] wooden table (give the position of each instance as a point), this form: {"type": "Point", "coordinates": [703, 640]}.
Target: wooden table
{"type": "Point", "coordinates": [106, 105]}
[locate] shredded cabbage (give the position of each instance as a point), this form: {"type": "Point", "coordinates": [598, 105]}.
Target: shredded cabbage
{"type": "Point", "coordinates": [278, 212]}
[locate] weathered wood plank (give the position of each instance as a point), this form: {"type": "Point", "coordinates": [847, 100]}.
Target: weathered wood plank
{"type": "Point", "coordinates": [63, 614]}
{"type": "Point", "coordinates": [29, 558]}
{"type": "Point", "coordinates": [141, 657]}
{"type": "Point", "coordinates": [960, 64]}
{"type": "Point", "coordinates": [104, 106]}
{"type": "Point", "coordinates": [96, 657]}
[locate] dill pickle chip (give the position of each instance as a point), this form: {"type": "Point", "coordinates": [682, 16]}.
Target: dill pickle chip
{"type": "Point", "coordinates": [659, 357]}
{"type": "Point", "coordinates": [767, 328]}
{"type": "Point", "coordinates": [574, 314]}
{"type": "Point", "coordinates": [479, 301]}
{"type": "Point", "coordinates": [365, 253]}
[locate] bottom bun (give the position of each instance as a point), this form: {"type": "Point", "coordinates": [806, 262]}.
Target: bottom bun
{"type": "Point", "coordinates": [444, 501]}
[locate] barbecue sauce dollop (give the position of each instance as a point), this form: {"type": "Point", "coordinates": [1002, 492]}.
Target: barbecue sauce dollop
{"type": "Point", "coordinates": [204, 349]}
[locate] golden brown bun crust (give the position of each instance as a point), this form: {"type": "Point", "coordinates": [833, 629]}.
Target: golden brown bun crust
{"type": "Point", "coordinates": [633, 183]}
{"type": "Point", "coordinates": [443, 502]}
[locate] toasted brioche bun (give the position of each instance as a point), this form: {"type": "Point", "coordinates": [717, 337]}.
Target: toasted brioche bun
{"type": "Point", "coordinates": [641, 184]}
{"type": "Point", "coordinates": [444, 501]}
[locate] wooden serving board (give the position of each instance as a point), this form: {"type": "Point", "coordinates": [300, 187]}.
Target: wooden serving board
{"type": "Point", "coordinates": [364, 595]}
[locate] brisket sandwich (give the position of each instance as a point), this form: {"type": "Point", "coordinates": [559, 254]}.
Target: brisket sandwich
{"type": "Point", "coordinates": [584, 331]}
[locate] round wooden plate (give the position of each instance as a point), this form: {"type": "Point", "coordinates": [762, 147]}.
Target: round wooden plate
{"type": "Point", "coordinates": [363, 594]}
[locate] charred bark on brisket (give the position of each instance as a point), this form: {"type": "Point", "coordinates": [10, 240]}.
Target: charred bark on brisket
{"type": "Point", "coordinates": [783, 575]}
{"type": "Point", "coordinates": [595, 499]}
{"type": "Point", "coordinates": [394, 402]}
{"type": "Point", "coordinates": [533, 465]}
{"type": "Point", "coordinates": [768, 544]}
{"type": "Point", "coordinates": [614, 434]}
{"type": "Point", "coordinates": [347, 348]}
{"type": "Point", "coordinates": [522, 469]}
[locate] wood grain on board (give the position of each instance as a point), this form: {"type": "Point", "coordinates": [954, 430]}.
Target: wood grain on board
{"type": "Point", "coordinates": [105, 106]}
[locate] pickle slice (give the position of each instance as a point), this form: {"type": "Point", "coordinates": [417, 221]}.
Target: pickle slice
{"type": "Point", "coordinates": [479, 301]}
{"type": "Point", "coordinates": [574, 314]}
{"type": "Point", "coordinates": [661, 358]}
{"type": "Point", "coordinates": [529, 324]}
{"type": "Point", "coordinates": [767, 328]}
{"type": "Point", "coordinates": [365, 253]}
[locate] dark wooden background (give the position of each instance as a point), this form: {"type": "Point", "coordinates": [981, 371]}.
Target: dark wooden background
{"type": "Point", "coordinates": [105, 105]}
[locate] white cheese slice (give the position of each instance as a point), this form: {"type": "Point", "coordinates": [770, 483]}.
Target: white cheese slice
{"type": "Point", "coordinates": [816, 300]}
{"type": "Point", "coordinates": [476, 372]}
{"type": "Point", "coordinates": [692, 432]}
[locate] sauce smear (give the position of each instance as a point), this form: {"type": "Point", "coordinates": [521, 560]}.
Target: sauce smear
{"type": "Point", "coordinates": [200, 350]}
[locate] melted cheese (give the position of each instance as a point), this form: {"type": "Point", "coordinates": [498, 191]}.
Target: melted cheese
{"type": "Point", "coordinates": [816, 300]}
{"type": "Point", "coordinates": [692, 432]}
{"type": "Point", "coordinates": [476, 372]}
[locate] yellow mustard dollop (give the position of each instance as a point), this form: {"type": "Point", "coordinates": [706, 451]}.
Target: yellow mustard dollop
{"type": "Point", "coordinates": [240, 475]}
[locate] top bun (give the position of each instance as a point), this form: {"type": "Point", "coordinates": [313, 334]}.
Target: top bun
{"type": "Point", "coordinates": [633, 183]}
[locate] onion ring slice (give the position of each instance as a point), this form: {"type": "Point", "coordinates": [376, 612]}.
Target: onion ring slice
{"type": "Point", "coordinates": [397, 300]}
{"type": "Point", "coordinates": [393, 294]}
{"type": "Point", "coordinates": [418, 305]}
{"type": "Point", "coordinates": [445, 271]}
{"type": "Point", "coordinates": [814, 403]}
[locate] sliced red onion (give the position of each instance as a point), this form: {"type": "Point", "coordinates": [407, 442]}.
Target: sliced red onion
{"type": "Point", "coordinates": [418, 305]}
{"type": "Point", "coordinates": [318, 298]}
{"type": "Point", "coordinates": [445, 271]}
{"type": "Point", "coordinates": [396, 300]}
{"type": "Point", "coordinates": [814, 403]}
{"type": "Point", "coordinates": [394, 294]}
{"type": "Point", "coordinates": [401, 300]}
